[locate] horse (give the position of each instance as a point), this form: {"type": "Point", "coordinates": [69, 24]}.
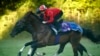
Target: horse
{"type": "Point", "coordinates": [42, 35]}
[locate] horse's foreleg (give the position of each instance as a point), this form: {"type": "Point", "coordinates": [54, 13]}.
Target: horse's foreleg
{"type": "Point", "coordinates": [26, 44]}
{"type": "Point", "coordinates": [33, 49]}
{"type": "Point", "coordinates": [21, 50]}
{"type": "Point", "coordinates": [61, 48]}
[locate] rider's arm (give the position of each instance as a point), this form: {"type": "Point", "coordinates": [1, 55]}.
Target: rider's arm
{"type": "Point", "coordinates": [51, 18]}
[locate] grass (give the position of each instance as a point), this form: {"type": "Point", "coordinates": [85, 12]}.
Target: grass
{"type": "Point", "coordinates": [11, 46]}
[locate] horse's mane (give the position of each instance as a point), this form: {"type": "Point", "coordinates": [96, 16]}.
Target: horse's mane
{"type": "Point", "coordinates": [37, 20]}
{"type": "Point", "coordinates": [33, 15]}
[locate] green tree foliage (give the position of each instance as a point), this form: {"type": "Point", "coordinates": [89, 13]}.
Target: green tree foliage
{"type": "Point", "coordinates": [48, 3]}
{"type": "Point", "coordinates": [84, 12]}
{"type": "Point", "coordinates": [9, 4]}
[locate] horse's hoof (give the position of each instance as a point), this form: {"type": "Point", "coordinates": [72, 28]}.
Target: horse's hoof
{"type": "Point", "coordinates": [19, 54]}
{"type": "Point", "coordinates": [40, 54]}
{"type": "Point", "coordinates": [28, 55]}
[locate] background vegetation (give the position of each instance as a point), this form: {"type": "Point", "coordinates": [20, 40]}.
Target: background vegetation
{"type": "Point", "coordinates": [84, 12]}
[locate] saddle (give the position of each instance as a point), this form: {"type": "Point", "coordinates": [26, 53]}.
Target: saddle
{"type": "Point", "coordinates": [68, 26]}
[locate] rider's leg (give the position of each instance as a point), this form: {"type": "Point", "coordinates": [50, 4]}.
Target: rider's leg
{"type": "Point", "coordinates": [56, 22]}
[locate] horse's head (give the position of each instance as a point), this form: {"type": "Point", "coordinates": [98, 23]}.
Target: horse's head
{"type": "Point", "coordinates": [19, 27]}
{"type": "Point", "coordinates": [26, 24]}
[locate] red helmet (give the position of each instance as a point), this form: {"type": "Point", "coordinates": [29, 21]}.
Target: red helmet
{"type": "Point", "coordinates": [42, 7]}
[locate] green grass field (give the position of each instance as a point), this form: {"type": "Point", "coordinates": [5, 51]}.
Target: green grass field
{"type": "Point", "coordinates": [11, 46]}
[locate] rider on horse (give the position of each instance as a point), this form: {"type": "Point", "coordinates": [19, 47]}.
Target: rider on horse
{"type": "Point", "coordinates": [50, 16]}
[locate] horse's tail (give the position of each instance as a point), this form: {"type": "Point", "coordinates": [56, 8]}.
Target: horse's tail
{"type": "Point", "coordinates": [89, 34]}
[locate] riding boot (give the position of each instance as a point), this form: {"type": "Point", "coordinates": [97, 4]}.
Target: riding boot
{"type": "Point", "coordinates": [57, 36]}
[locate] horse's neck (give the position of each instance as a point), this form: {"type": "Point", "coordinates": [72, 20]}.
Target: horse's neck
{"type": "Point", "coordinates": [39, 26]}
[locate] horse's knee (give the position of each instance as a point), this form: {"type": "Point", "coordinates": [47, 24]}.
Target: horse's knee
{"type": "Point", "coordinates": [27, 44]}
{"type": "Point", "coordinates": [34, 45]}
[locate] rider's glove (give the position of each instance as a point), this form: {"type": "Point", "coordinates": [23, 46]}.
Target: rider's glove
{"type": "Point", "coordinates": [44, 22]}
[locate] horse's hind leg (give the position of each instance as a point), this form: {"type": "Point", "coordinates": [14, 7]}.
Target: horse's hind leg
{"type": "Point", "coordinates": [82, 49]}
{"type": "Point", "coordinates": [75, 50]}
{"type": "Point", "coordinates": [74, 40]}
{"type": "Point", "coordinates": [61, 48]}
{"type": "Point", "coordinates": [26, 44]}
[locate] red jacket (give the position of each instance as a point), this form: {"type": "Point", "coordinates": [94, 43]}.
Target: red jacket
{"type": "Point", "coordinates": [50, 13]}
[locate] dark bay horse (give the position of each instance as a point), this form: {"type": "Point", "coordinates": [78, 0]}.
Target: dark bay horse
{"type": "Point", "coordinates": [42, 35]}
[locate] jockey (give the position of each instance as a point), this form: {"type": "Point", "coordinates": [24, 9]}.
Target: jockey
{"type": "Point", "coordinates": [50, 16]}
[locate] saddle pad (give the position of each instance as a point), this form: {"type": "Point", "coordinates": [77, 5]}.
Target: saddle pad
{"type": "Point", "coordinates": [67, 26]}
